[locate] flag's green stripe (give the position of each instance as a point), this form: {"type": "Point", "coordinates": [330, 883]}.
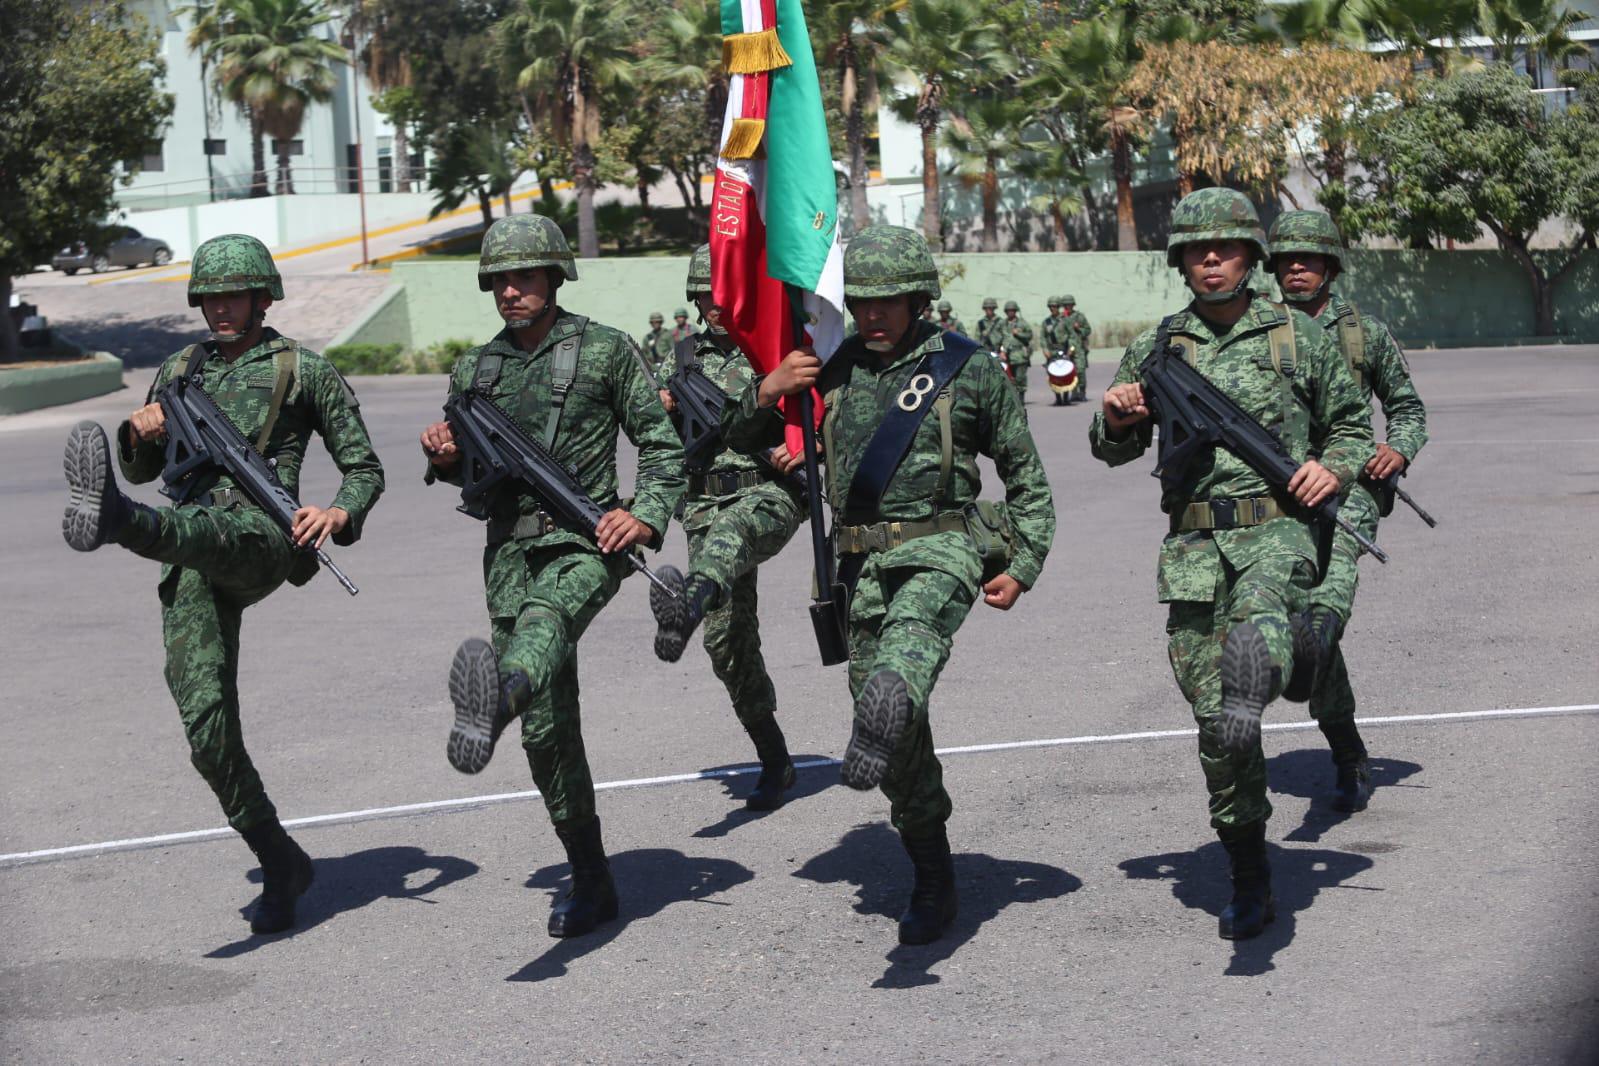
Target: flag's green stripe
{"type": "Point", "coordinates": [732, 17]}
{"type": "Point", "coordinates": [800, 187]}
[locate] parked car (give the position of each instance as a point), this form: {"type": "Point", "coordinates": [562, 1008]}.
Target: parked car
{"type": "Point", "coordinates": [123, 246]}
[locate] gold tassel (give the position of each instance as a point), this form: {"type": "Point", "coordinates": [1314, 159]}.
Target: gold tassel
{"type": "Point", "coordinates": [753, 53]}
{"type": "Point", "coordinates": [744, 142]}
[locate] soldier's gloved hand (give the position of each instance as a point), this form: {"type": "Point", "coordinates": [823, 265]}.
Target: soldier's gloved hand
{"type": "Point", "coordinates": [797, 373]}
{"type": "Point", "coordinates": [667, 402]}
{"type": "Point", "coordinates": [313, 526]}
{"type": "Point", "coordinates": [1385, 464]}
{"type": "Point", "coordinates": [1002, 592]}
{"type": "Point", "coordinates": [1312, 483]}
{"type": "Point", "coordinates": [148, 423]}
{"type": "Point", "coordinates": [619, 531]}
{"type": "Point", "coordinates": [1124, 405]}
{"type": "Point", "coordinates": [438, 444]}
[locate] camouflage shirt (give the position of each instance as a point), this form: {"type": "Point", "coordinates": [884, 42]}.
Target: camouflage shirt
{"type": "Point", "coordinates": [990, 332]}
{"type": "Point", "coordinates": [1056, 335]}
{"type": "Point", "coordinates": [609, 392]}
{"type": "Point", "coordinates": [318, 401]}
{"type": "Point", "coordinates": [950, 325]}
{"type": "Point", "coordinates": [729, 371]}
{"type": "Point", "coordinates": [657, 345]}
{"type": "Point", "coordinates": [986, 419]}
{"type": "Point", "coordinates": [1322, 403]}
{"type": "Point", "coordinates": [1016, 339]}
{"type": "Point", "coordinates": [1077, 322]}
{"type": "Point", "coordinates": [1386, 375]}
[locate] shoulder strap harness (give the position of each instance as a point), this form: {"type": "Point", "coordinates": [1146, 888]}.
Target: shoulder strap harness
{"type": "Point", "coordinates": [1352, 339]}
{"type": "Point", "coordinates": [563, 371]}
{"type": "Point", "coordinates": [286, 360]}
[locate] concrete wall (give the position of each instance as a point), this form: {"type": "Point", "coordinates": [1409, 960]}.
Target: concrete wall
{"type": "Point", "coordinates": [1428, 298]}
{"type": "Point", "coordinates": [278, 221]}
{"type": "Point", "coordinates": [30, 388]}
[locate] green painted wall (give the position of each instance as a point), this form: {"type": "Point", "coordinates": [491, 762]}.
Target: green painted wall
{"type": "Point", "coordinates": [1428, 298]}
{"type": "Point", "coordinates": [30, 388]}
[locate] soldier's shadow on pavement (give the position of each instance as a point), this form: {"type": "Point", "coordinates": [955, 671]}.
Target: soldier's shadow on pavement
{"type": "Point", "coordinates": [872, 858]}
{"type": "Point", "coordinates": [1308, 772]}
{"type": "Point", "coordinates": [1200, 881]}
{"type": "Point", "coordinates": [352, 881]}
{"type": "Point", "coordinates": [808, 781]}
{"type": "Point", "coordinates": [648, 880]}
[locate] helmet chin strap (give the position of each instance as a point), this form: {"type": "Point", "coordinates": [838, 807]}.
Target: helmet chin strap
{"type": "Point", "coordinates": [1216, 298]}
{"type": "Point", "coordinates": [257, 315]}
{"type": "Point", "coordinates": [529, 323]}
{"type": "Point", "coordinates": [1312, 296]}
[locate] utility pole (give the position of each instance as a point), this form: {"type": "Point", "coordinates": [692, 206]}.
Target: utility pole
{"type": "Point", "coordinates": [360, 179]}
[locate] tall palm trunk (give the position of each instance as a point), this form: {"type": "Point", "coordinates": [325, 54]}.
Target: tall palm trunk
{"type": "Point", "coordinates": [932, 220]}
{"type": "Point", "coordinates": [285, 177]}
{"type": "Point", "coordinates": [585, 128]}
{"type": "Point", "coordinates": [258, 175]}
{"type": "Point", "coordinates": [854, 132]}
{"type": "Point", "coordinates": [1122, 167]}
{"type": "Point", "coordinates": [402, 159]}
{"type": "Point", "coordinates": [991, 204]}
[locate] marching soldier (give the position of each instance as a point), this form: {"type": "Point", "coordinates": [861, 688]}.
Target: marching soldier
{"type": "Point", "coordinates": [990, 332]}
{"type": "Point", "coordinates": [657, 343]}
{"type": "Point", "coordinates": [1307, 256]}
{"type": "Point", "coordinates": [571, 384]}
{"type": "Point", "coordinates": [1081, 331]}
{"type": "Point", "coordinates": [681, 331]}
{"type": "Point", "coordinates": [1018, 345]}
{"type": "Point", "coordinates": [947, 320]}
{"type": "Point", "coordinates": [739, 512]}
{"type": "Point", "coordinates": [1239, 560]}
{"type": "Point", "coordinates": [1054, 333]}
{"type": "Point", "coordinates": [908, 410]}
{"type": "Point", "coordinates": [221, 552]}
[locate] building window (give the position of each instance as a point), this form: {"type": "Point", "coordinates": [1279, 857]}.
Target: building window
{"type": "Point", "coordinates": [154, 161]}
{"type": "Point", "coordinates": [216, 146]}
{"type": "Point", "coordinates": [294, 147]}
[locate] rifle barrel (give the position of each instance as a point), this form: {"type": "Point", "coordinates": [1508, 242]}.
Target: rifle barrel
{"type": "Point", "coordinates": [1366, 543]}
{"type": "Point", "coordinates": [1432, 522]}
{"type": "Point", "coordinates": [333, 568]}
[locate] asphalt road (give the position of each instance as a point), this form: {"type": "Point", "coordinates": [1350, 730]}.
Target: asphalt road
{"type": "Point", "coordinates": [1452, 922]}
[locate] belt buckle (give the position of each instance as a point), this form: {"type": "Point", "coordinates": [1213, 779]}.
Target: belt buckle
{"type": "Point", "coordinates": [1257, 510]}
{"type": "Point", "coordinates": [875, 537]}
{"type": "Point", "coordinates": [1224, 513]}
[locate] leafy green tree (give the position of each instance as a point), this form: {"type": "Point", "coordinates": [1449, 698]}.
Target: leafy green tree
{"type": "Point", "coordinates": [1474, 151]}
{"type": "Point", "coordinates": [82, 92]}
{"type": "Point", "coordinates": [567, 54]}
{"type": "Point", "coordinates": [685, 56]}
{"type": "Point", "coordinates": [388, 68]}
{"type": "Point", "coordinates": [850, 37]}
{"type": "Point", "coordinates": [269, 60]}
{"type": "Point", "coordinates": [945, 46]}
{"type": "Point", "coordinates": [1538, 27]}
{"type": "Point", "coordinates": [477, 160]}
{"type": "Point", "coordinates": [984, 135]}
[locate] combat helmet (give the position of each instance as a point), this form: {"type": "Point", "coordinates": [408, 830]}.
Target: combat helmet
{"type": "Point", "coordinates": [1068, 300]}
{"type": "Point", "coordinates": [523, 242]}
{"type": "Point", "coordinates": [989, 303]}
{"type": "Point", "coordinates": [1012, 305]}
{"type": "Point", "coordinates": [233, 262]}
{"type": "Point", "coordinates": [699, 272]}
{"type": "Point", "coordinates": [655, 318]}
{"type": "Point", "coordinates": [681, 312]}
{"type": "Point", "coordinates": [1052, 303]}
{"type": "Point", "coordinates": [1306, 231]}
{"type": "Point", "coordinates": [889, 261]}
{"type": "Point", "coordinates": [944, 307]}
{"type": "Point", "coordinates": [1214, 215]}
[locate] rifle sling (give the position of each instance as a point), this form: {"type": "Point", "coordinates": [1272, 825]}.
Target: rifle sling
{"type": "Point", "coordinates": [286, 360]}
{"type": "Point", "coordinates": [563, 371]}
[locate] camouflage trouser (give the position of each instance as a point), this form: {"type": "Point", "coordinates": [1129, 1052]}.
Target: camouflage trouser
{"type": "Point", "coordinates": [1018, 369]}
{"type": "Point", "coordinates": [540, 604]}
{"type": "Point", "coordinates": [905, 619]}
{"type": "Point", "coordinates": [1333, 701]}
{"type": "Point", "coordinates": [1264, 593]}
{"type": "Point", "coordinates": [221, 560]}
{"type": "Point", "coordinates": [728, 537]}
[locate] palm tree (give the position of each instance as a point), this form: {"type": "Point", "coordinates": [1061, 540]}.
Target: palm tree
{"type": "Point", "coordinates": [850, 35]}
{"type": "Point", "coordinates": [270, 62]}
{"type": "Point", "coordinates": [387, 67]}
{"type": "Point", "coordinates": [1541, 27]}
{"type": "Point", "coordinates": [568, 54]}
{"type": "Point", "coordinates": [982, 136]}
{"type": "Point", "coordinates": [945, 47]}
{"type": "Point", "coordinates": [685, 53]}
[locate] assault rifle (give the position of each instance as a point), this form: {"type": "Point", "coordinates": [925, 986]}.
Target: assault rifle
{"type": "Point", "coordinates": [1387, 490]}
{"type": "Point", "coordinates": [494, 449]}
{"type": "Point", "coordinates": [1193, 414]}
{"type": "Point", "coordinates": [202, 444]}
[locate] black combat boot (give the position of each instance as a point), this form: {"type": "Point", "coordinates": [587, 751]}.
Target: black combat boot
{"type": "Point", "coordinates": [1302, 682]}
{"type": "Point", "coordinates": [676, 617]}
{"type": "Point", "coordinates": [484, 704]}
{"type": "Point", "coordinates": [97, 511]}
{"type": "Point", "coordinates": [1353, 788]}
{"type": "Point", "coordinates": [933, 902]}
{"type": "Point", "coordinates": [286, 872]}
{"type": "Point", "coordinates": [777, 769]}
{"type": "Point", "coordinates": [1252, 907]}
{"type": "Point", "coordinates": [592, 897]}
{"type": "Point", "coordinates": [881, 712]}
{"type": "Point", "coordinates": [1246, 684]}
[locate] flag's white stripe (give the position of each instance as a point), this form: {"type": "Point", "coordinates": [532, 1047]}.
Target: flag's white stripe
{"type": "Point", "coordinates": [735, 105]}
{"type": "Point", "coordinates": [472, 802]}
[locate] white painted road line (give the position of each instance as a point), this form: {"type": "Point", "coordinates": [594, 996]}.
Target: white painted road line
{"type": "Point", "coordinates": [21, 858]}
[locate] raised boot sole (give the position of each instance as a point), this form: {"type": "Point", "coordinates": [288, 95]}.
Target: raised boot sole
{"type": "Point", "coordinates": [671, 614]}
{"type": "Point", "coordinates": [880, 717]}
{"type": "Point", "coordinates": [475, 692]}
{"type": "Point", "coordinates": [1245, 687]}
{"type": "Point", "coordinates": [87, 464]}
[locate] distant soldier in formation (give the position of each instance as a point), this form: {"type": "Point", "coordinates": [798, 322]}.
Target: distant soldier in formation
{"type": "Point", "coordinates": [1307, 256]}
{"type": "Point", "coordinates": [990, 331]}
{"type": "Point", "coordinates": [739, 512]}
{"type": "Point", "coordinates": [947, 320]}
{"type": "Point", "coordinates": [1018, 345]}
{"type": "Point", "coordinates": [657, 343]}
{"type": "Point", "coordinates": [1239, 560]}
{"type": "Point", "coordinates": [1077, 322]}
{"type": "Point", "coordinates": [681, 330]}
{"type": "Point", "coordinates": [222, 553]}
{"type": "Point", "coordinates": [1055, 334]}
{"type": "Point", "coordinates": [907, 529]}
{"type": "Point", "coordinates": [571, 384]}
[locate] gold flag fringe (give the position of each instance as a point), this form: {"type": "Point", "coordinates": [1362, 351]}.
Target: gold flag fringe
{"type": "Point", "coordinates": [753, 53]}
{"type": "Point", "coordinates": [744, 142]}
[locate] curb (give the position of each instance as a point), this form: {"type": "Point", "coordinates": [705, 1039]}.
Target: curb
{"type": "Point", "coordinates": [47, 386]}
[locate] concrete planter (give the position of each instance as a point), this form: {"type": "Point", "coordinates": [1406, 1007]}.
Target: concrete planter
{"type": "Point", "coordinates": [31, 388]}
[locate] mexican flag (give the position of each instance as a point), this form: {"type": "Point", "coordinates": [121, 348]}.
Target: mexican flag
{"type": "Point", "coordinates": [774, 214]}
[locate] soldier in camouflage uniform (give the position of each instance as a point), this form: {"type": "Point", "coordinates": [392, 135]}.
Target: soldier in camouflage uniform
{"type": "Point", "coordinates": [990, 331]}
{"type": "Point", "coordinates": [657, 343]}
{"type": "Point", "coordinates": [221, 552]}
{"type": "Point", "coordinates": [739, 512]}
{"type": "Point", "coordinates": [1306, 256]}
{"type": "Point", "coordinates": [1017, 343]}
{"type": "Point", "coordinates": [947, 320]}
{"type": "Point", "coordinates": [1053, 334]}
{"type": "Point", "coordinates": [1077, 323]}
{"type": "Point", "coordinates": [571, 384]}
{"type": "Point", "coordinates": [681, 330]}
{"type": "Point", "coordinates": [913, 559]}
{"type": "Point", "coordinates": [1239, 560]}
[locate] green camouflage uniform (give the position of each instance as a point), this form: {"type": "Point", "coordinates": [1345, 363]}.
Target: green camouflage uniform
{"type": "Point", "coordinates": [657, 345]}
{"type": "Point", "coordinates": [543, 589]}
{"type": "Point", "coordinates": [1055, 335]}
{"type": "Point", "coordinates": [1216, 579]}
{"type": "Point", "coordinates": [1077, 323]}
{"type": "Point", "coordinates": [909, 600]}
{"type": "Point", "coordinates": [224, 555]}
{"type": "Point", "coordinates": [729, 535]}
{"type": "Point", "coordinates": [990, 332]}
{"type": "Point", "coordinates": [952, 324]}
{"type": "Point", "coordinates": [1016, 340]}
